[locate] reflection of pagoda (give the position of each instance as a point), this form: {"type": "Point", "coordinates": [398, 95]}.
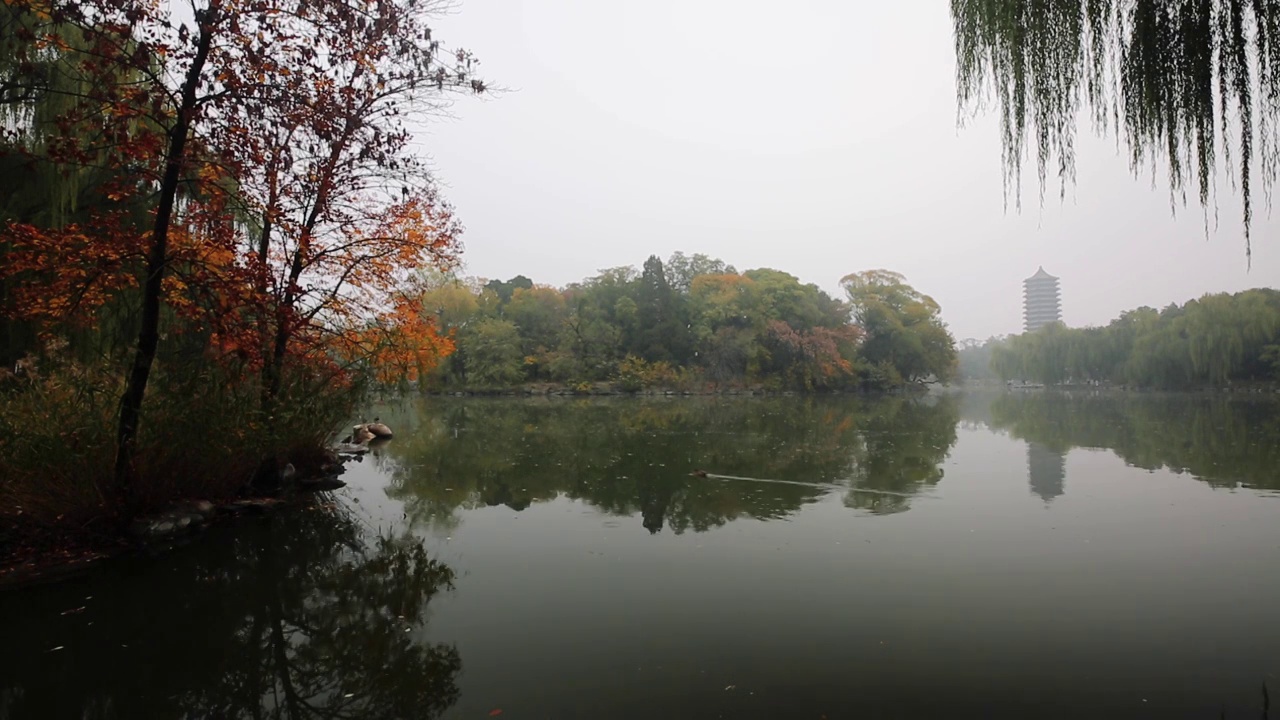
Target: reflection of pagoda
{"type": "Point", "coordinates": [1046, 471]}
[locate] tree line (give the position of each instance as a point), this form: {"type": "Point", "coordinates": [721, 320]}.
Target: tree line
{"type": "Point", "coordinates": [1215, 341]}
{"type": "Point", "coordinates": [691, 322]}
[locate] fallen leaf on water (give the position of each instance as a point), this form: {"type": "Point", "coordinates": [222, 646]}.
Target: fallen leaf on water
{"type": "Point", "coordinates": [495, 712]}
{"type": "Point", "coordinates": [55, 648]}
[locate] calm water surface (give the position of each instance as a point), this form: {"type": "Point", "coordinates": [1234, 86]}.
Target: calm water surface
{"type": "Point", "coordinates": [1000, 555]}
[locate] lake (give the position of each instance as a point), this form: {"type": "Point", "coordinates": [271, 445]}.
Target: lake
{"type": "Point", "coordinates": [1007, 554]}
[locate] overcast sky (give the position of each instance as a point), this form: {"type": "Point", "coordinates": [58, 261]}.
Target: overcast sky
{"type": "Point", "coordinates": [815, 137]}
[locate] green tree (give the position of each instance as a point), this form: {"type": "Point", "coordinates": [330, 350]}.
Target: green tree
{"type": "Point", "coordinates": [493, 356]}
{"type": "Point", "coordinates": [661, 332]}
{"type": "Point", "coordinates": [781, 296]}
{"type": "Point", "coordinates": [904, 334]}
{"type": "Point", "coordinates": [682, 269]}
{"type": "Point", "coordinates": [454, 306]}
{"type": "Point", "coordinates": [506, 290]}
{"type": "Point", "coordinates": [601, 321]}
{"type": "Point", "coordinates": [539, 314]}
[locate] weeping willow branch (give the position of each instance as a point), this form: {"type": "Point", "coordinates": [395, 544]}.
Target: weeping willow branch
{"type": "Point", "coordinates": [1179, 81]}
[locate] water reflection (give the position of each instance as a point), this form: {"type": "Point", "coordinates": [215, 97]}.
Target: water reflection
{"type": "Point", "coordinates": [1046, 470]}
{"type": "Point", "coordinates": [642, 457]}
{"type": "Point", "coordinates": [1150, 596]}
{"type": "Point", "coordinates": [1225, 441]}
{"type": "Point", "coordinates": [295, 616]}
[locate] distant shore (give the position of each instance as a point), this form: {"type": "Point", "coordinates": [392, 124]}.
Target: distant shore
{"type": "Point", "coordinates": [607, 389]}
{"type": "Point", "coordinates": [612, 389]}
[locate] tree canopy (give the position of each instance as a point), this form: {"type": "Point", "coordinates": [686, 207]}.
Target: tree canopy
{"type": "Point", "coordinates": [1181, 82]}
{"type": "Point", "coordinates": [906, 339]}
{"type": "Point", "coordinates": [689, 322]}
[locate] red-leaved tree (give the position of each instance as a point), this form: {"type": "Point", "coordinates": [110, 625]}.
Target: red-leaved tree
{"type": "Point", "coordinates": [263, 187]}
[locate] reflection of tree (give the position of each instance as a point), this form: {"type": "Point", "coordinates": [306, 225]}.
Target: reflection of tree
{"type": "Point", "coordinates": [1046, 471]}
{"type": "Point", "coordinates": [904, 444]}
{"type": "Point", "coordinates": [1223, 441]}
{"type": "Point", "coordinates": [296, 617]}
{"type": "Point", "coordinates": [634, 457]}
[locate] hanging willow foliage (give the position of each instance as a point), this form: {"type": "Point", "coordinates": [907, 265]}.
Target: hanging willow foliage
{"type": "Point", "coordinates": [43, 80]}
{"type": "Point", "coordinates": [1178, 80]}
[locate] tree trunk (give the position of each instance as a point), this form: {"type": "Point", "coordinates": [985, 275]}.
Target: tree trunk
{"type": "Point", "coordinates": [157, 258]}
{"type": "Point", "coordinates": [273, 367]}
{"type": "Point", "coordinates": [264, 269]}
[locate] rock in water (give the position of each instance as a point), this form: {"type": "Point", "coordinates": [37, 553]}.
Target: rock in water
{"type": "Point", "coordinates": [362, 433]}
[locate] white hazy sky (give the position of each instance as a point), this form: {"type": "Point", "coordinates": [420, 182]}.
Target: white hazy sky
{"type": "Point", "coordinates": [817, 137]}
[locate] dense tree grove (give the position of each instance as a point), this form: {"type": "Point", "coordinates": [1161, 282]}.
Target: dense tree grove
{"type": "Point", "coordinates": [1215, 341]}
{"type": "Point", "coordinates": [691, 322]}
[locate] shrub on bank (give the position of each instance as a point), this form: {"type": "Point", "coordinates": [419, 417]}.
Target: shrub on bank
{"type": "Point", "coordinates": [203, 434]}
{"type": "Point", "coordinates": [634, 374]}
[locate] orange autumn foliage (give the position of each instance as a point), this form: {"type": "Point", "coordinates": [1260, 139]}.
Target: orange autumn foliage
{"type": "Point", "coordinates": [404, 342]}
{"type": "Point", "coordinates": [65, 275]}
{"type": "Point", "coordinates": [303, 207]}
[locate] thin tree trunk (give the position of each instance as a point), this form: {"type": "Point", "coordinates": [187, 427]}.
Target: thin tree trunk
{"type": "Point", "coordinates": [157, 258]}
{"type": "Point", "coordinates": [264, 247]}
{"type": "Point", "coordinates": [273, 369]}
{"type": "Point", "coordinates": [284, 318]}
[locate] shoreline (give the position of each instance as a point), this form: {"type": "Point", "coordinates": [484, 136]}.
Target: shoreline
{"type": "Point", "coordinates": [37, 553]}
{"type": "Point", "coordinates": [604, 390]}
